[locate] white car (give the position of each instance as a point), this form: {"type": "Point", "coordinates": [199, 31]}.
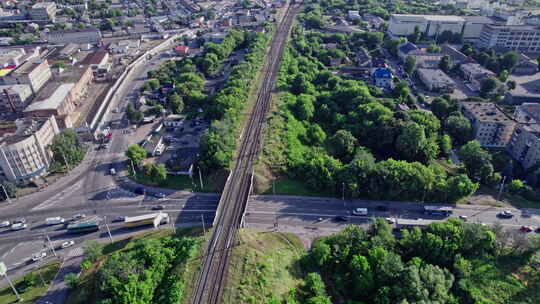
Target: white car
{"type": "Point", "coordinates": [390, 220]}
{"type": "Point", "coordinates": [18, 226]}
{"type": "Point", "coordinates": [360, 211]}
{"type": "Point", "coordinates": [5, 224]}
{"type": "Point", "coordinates": [67, 244]}
{"type": "Point", "coordinates": [38, 256]}
{"type": "Point", "coordinates": [463, 217]}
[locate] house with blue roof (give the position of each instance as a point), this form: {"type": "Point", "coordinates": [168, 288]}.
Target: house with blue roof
{"type": "Point", "coordinates": [383, 78]}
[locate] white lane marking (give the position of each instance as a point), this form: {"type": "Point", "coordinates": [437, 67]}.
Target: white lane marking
{"type": "Point", "coordinates": [11, 251]}
{"type": "Point", "coordinates": [57, 197]}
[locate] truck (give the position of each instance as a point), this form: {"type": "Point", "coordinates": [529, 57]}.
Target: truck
{"type": "Point", "coordinates": [155, 219]}
{"type": "Point", "coordinates": [438, 210]}
{"type": "Point", "coordinates": [54, 220]}
{"type": "Point", "coordinates": [360, 211]}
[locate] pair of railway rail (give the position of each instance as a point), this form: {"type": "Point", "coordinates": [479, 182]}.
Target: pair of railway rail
{"type": "Point", "coordinates": [231, 208]}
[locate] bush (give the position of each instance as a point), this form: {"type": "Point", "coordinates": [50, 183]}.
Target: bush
{"type": "Point", "coordinates": [515, 186]}
{"type": "Point", "coordinates": [71, 280]}
{"type": "Point", "coordinates": [92, 251]}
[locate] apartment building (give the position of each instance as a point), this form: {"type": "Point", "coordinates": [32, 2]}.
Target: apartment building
{"type": "Point", "coordinates": [475, 73]}
{"type": "Point", "coordinates": [491, 127]}
{"type": "Point", "coordinates": [14, 98]}
{"type": "Point", "coordinates": [79, 36]}
{"type": "Point", "coordinates": [470, 27]}
{"type": "Point", "coordinates": [436, 80]}
{"type": "Point", "coordinates": [35, 72]}
{"type": "Point", "coordinates": [523, 38]}
{"type": "Point", "coordinates": [25, 154]}
{"type": "Point", "coordinates": [524, 146]}
{"type": "Point", "coordinates": [43, 11]}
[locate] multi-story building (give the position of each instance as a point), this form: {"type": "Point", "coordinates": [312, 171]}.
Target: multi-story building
{"type": "Point", "coordinates": [475, 73]}
{"type": "Point", "coordinates": [80, 36]}
{"type": "Point", "coordinates": [469, 27]}
{"type": "Point", "coordinates": [524, 38]}
{"type": "Point", "coordinates": [436, 80]}
{"type": "Point", "coordinates": [35, 72]}
{"type": "Point", "coordinates": [98, 62]}
{"type": "Point", "coordinates": [491, 127]}
{"type": "Point", "coordinates": [58, 103]}
{"type": "Point", "coordinates": [524, 146]}
{"type": "Point", "coordinates": [422, 58]}
{"type": "Point", "coordinates": [14, 98]}
{"type": "Point", "coordinates": [383, 78]}
{"type": "Point", "coordinates": [43, 11]}
{"type": "Point", "coordinates": [25, 154]}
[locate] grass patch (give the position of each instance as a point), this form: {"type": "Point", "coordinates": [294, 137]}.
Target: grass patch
{"type": "Point", "coordinates": [263, 267]}
{"type": "Point", "coordinates": [212, 183]}
{"type": "Point", "coordinates": [34, 292]}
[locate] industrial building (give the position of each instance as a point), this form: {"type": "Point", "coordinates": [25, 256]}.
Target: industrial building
{"type": "Point", "coordinates": [79, 36]}
{"type": "Point", "coordinates": [523, 38]}
{"type": "Point", "coordinates": [35, 72]}
{"type": "Point", "coordinates": [14, 98]}
{"type": "Point", "coordinates": [470, 27]}
{"type": "Point", "coordinates": [43, 11]}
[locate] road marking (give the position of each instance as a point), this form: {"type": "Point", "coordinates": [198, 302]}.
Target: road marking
{"type": "Point", "coordinates": [11, 251]}
{"type": "Point", "coordinates": [57, 197]}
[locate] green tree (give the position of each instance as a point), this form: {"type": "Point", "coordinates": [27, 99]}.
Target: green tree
{"type": "Point", "coordinates": [175, 103]}
{"type": "Point", "coordinates": [136, 153]}
{"type": "Point", "coordinates": [159, 174]}
{"type": "Point", "coordinates": [511, 84]}
{"type": "Point", "coordinates": [67, 148]}
{"type": "Point", "coordinates": [411, 142]}
{"type": "Point", "coordinates": [134, 115]}
{"type": "Point", "coordinates": [503, 75]}
{"type": "Point", "coordinates": [445, 64]}
{"type": "Point", "coordinates": [9, 188]}
{"type": "Point", "coordinates": [487, 86]}
{"type": "Point", "coordinates": [416, 35]}
{"type": "Point", "coordinates": [342, 145]}
{"type": "Point", "coordinates": [460, 186]}
{"type": "Point", "coordinates": [509, 61]}
{"type": "Point", "coordinates": [515, 186]}
{"type": "Point", "coordinates": [72, 280]}
{"type": "Point", "coordinates": [410, 64]}
{"type": "Point", "coordinates": [459, 127]}
{"type": "Point", "coordinates": [477, 161]}
{"type": "Point", "coordinates": [92, 250]}
{"type": "Point", "coordinates": [59, 65]}
{"type": "Point", "coordinates": [433, 48]}
{"type": "Point", "coordinates": [304, 107]}
{"type": "Point", "coordinates": [446, 144]}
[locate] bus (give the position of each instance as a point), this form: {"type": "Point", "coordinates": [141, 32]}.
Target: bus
{"type": "Point", "coordinates": [155, 219]}
{"type": "Point", "coordinates": [83, 227]}
{"type": "Point", "coordinates": [438, 210]}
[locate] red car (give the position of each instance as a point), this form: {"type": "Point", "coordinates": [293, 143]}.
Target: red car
{"type": "Point", "coordinates": [526, 228]}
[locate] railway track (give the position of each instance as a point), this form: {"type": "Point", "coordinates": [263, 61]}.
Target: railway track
{"type": "Point", "coordinates": [213, 274]}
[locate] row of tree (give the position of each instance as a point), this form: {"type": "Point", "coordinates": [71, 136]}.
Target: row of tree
{"type": "Point", "coordinates": [225, 109]}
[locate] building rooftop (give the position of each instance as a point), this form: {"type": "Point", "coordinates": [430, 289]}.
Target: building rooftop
{"type": "Point", "coordinates": [175, 117]}
{"type": "Point", "coordinates": [95, 58]}
{"type": "Point", "coordinates": [382, 73]}
{"type": "Point", "coordinates": [486, 112]}
{"type": "Point", "coordinates": [476, 69]}
{"type": "Point", "coordinates": [408, 47]}
{"type": "Point", "coordinates": [436, 75]}
{"type": "Point", "coordinates": [24, 128]}
{"type": "Point", "coordinates": [407, 17]}
{"type": "Point", "coordinates": [42, 5]}
{"type": "Point", "coordinates": [514, 27]}
{"type": "Point", "coordinates": [54, 100]}
{"type": "Point", "coordinates": [14, 87]}
{"type": "Point", "coordinates": [28, 66]}
{"type": "Point", "coordinates": [532, 110]}
{"type": "Point", "coordinates": [75, 30]}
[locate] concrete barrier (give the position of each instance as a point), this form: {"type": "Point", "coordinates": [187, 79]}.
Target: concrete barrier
{"type": "Point", "coordinates": [120, 82]}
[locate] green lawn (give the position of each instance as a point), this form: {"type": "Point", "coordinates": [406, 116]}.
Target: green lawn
{"type": "Point", "coordinates": [262, 267]}
{"type": "Point", "coordinates": [34, 292]}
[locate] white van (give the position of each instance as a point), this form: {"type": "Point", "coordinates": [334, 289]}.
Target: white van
{"type": "Point", "coordinates": [54, 220]}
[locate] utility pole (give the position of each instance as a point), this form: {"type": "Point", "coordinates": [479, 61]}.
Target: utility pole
{"type": "Point", "coordinates": [108, 230]}
{"type": "Point", "coordinates": [65, 161]}
{"type": "Point", "coordinates": [202, 220]}
{"type": "Point", "coordinates": [50, 244]}
{"type": "Point", "coordinates": [133, 168]}
{"type": "Point", "coordinates": [501, 188]}
{"type": "Point", "coordinates": [13, 288]}
{"type": "Point", "coordinates": [200, 178]}
{"type": "Point", "coordinates": [5, 192]}
{"type": "Point", "coordinates": [274, 186]}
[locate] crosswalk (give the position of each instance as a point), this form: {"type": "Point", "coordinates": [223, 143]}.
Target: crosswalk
{"type": "Point", "coordinates": [78, 251]}
{"type": "Point", "coordinates": [119, 193]}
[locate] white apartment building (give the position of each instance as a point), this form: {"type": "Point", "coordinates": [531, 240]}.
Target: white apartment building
{"type": "Point", "coordinates": [44, 11]}
{"type": "Point", "coordinates": [25, 154]}
{"type": "Point", "coordinates": [470, 27]}
{"type": "Point", "coordinates": [79, 36]}
{"type": "Point", "coordinates": [491, 127]}
{"type": "Point", "coordinates": [436, 80]}
{"type": "Point", "coordinates": [524, 38]}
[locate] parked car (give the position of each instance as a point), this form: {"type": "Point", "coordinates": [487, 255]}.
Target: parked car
{"type": "Point", "coordinates": [390, 220]}
{"type": "Point", "coordinates": [526, 228]}
{"type": "Point", "coordinates": [78, 216]}
{"type": "Point", "coordinates": [506, 214]}
{"type": "Point", "coordinates": [158, 207]}
{"type": "Point", "coordinates": [5, 224]}
{"type": "Point", "coordinates": [119, 219]}
{"type": "Point", "coordinates": [39, 256]}
{"type": "Point", "coordinates": [18, 226]}
{"type": "Point", "coordinates": [160, 195]}
{"type": "Point", "coordinates": [67, 244]}
{"type": "Point", "coordinates": [19, 220]}
{"type": "Point", "coordinates": [463, 217]}
{"type": "Point", "coordinates": [360, 211]}
{"type": "Point", "coordinates": [341, 218]}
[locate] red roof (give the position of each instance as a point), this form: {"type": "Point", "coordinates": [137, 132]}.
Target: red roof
{"type": "Point", "coordinates": [95, 58]}
{"type": "Point", "coordinates": [181, 48]}
{"type": "Point", "coordinates": [10, 67]}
